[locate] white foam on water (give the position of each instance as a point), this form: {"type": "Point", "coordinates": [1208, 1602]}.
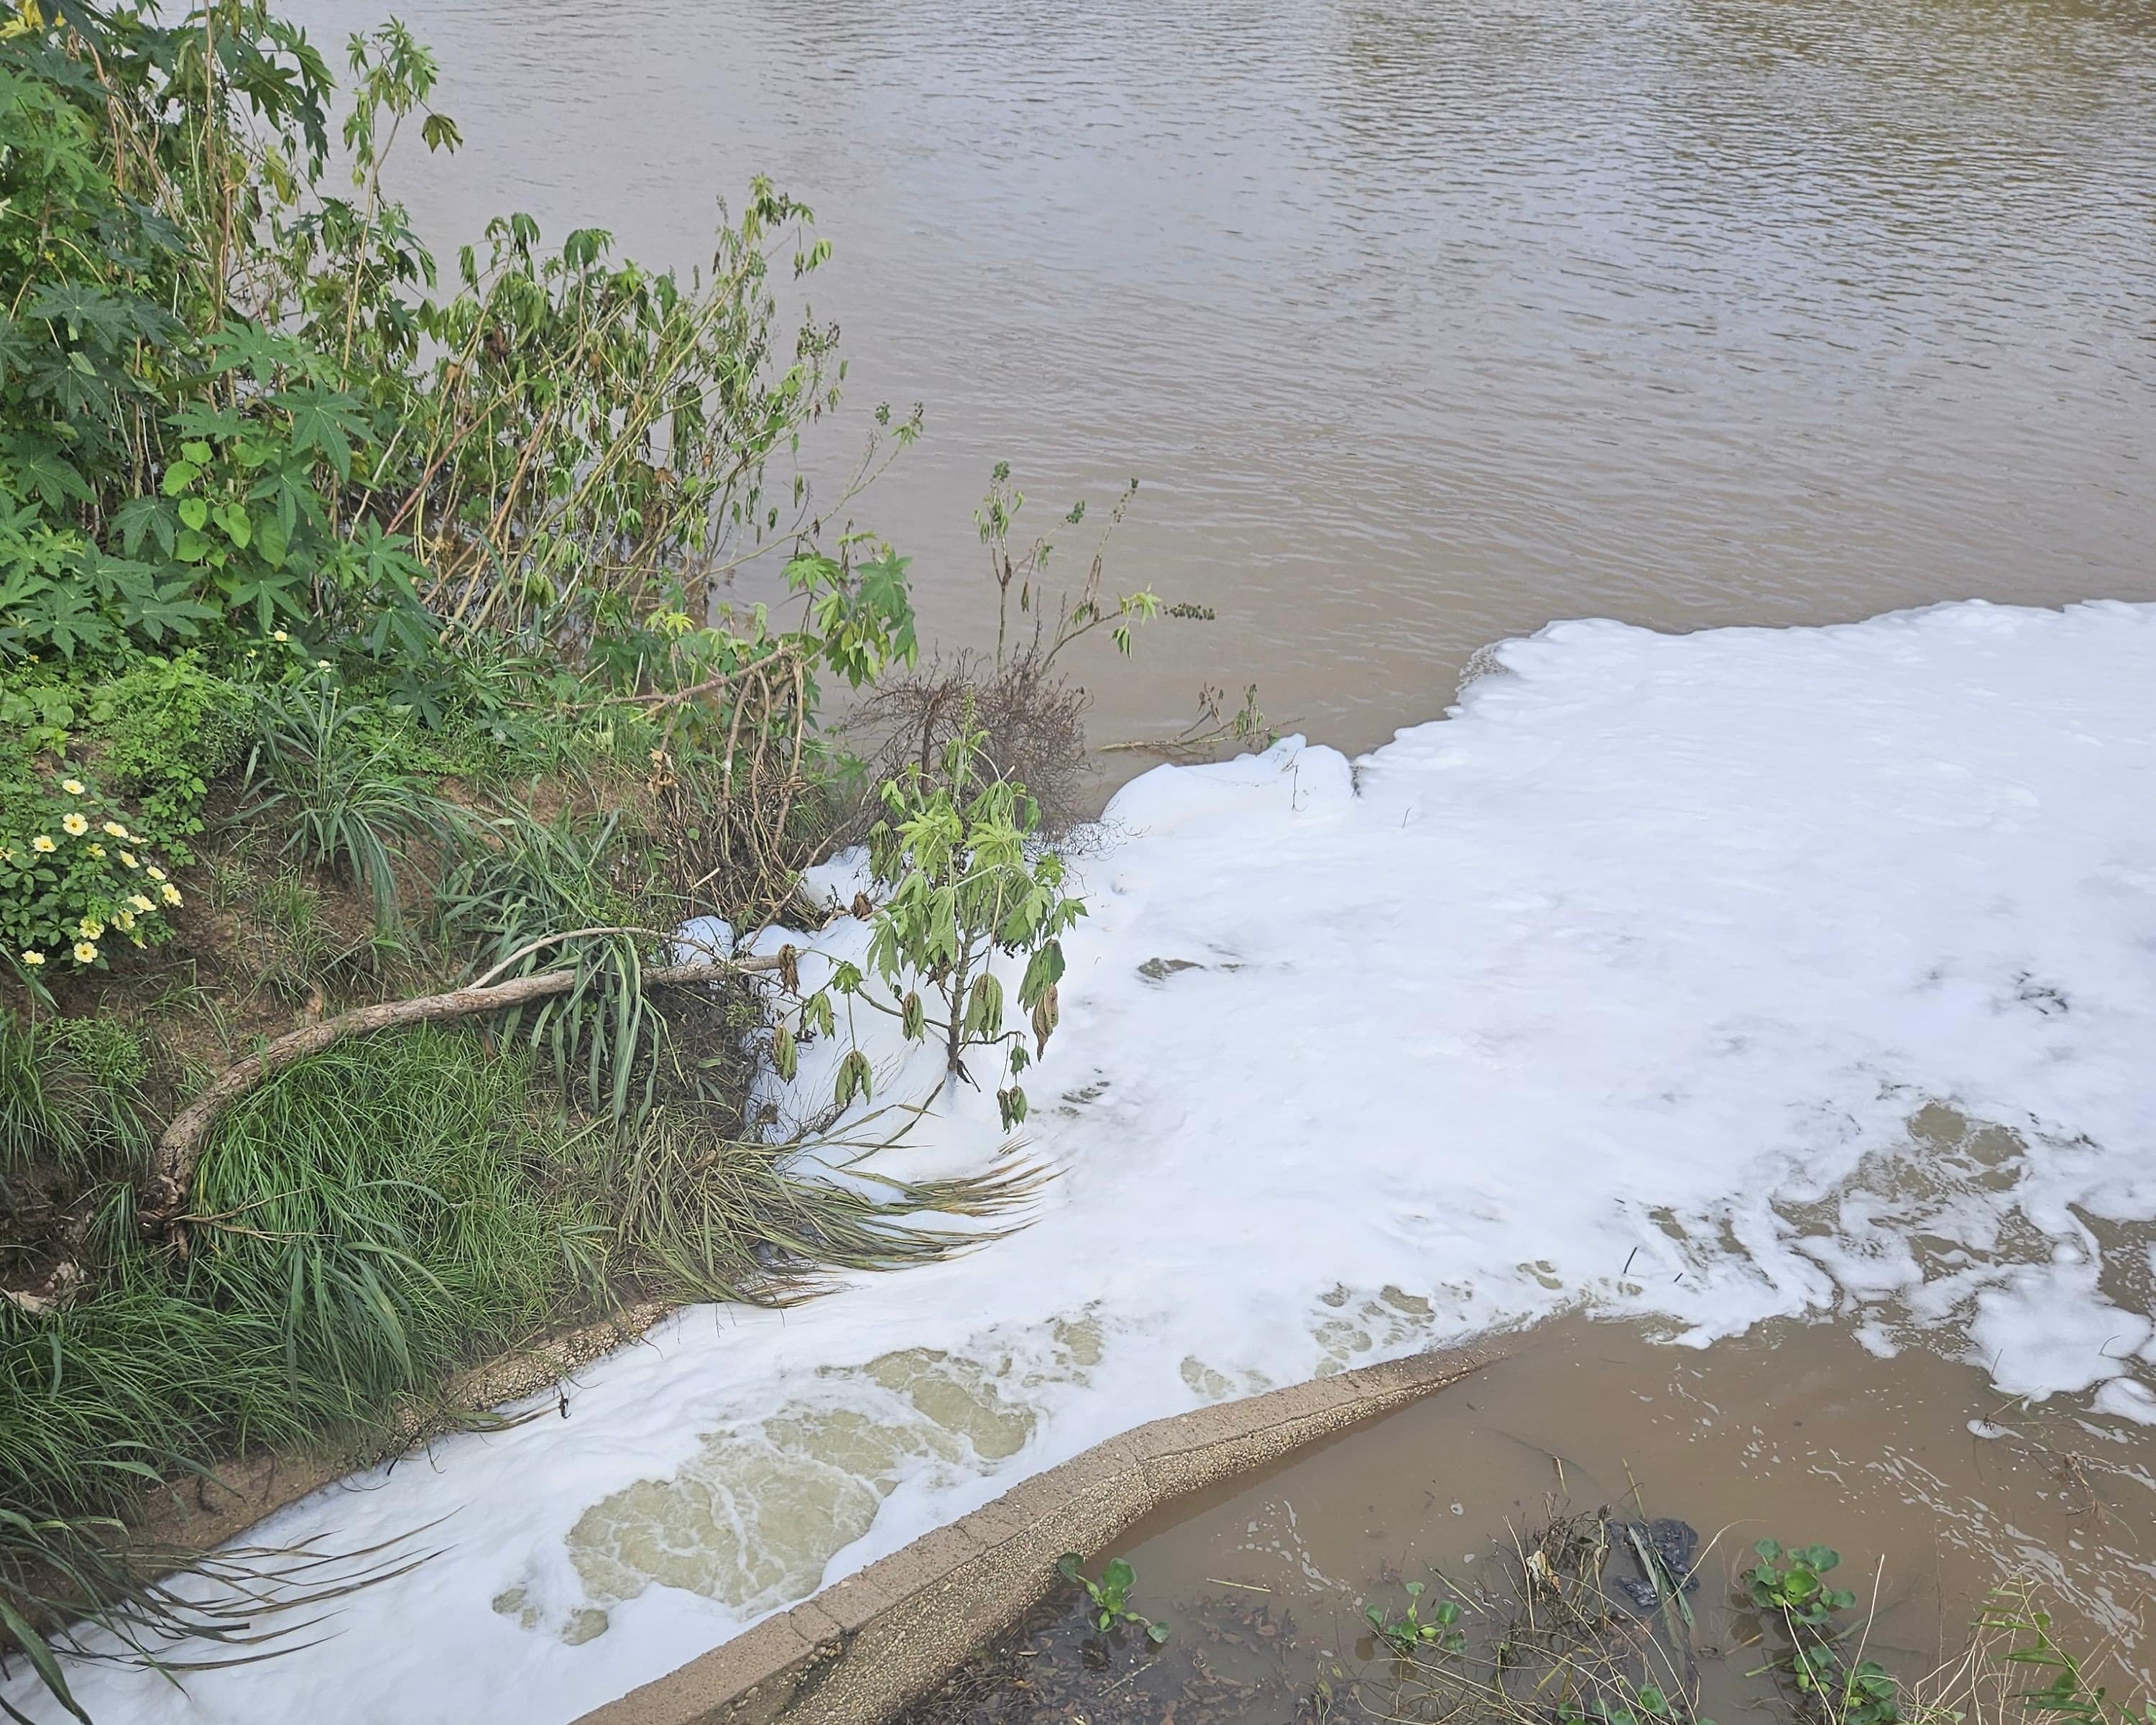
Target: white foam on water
{"type": "Point", "coordinates": [1707, 977]}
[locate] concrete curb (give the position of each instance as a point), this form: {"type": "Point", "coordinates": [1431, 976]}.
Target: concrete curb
{"type": "Point", "coordinates": [866, 1646]}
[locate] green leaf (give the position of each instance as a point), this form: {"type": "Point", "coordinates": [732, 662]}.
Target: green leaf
{"type": "Point", "coordinates": [41, 1658]}
{"type": "Point", "coordinates": [1043, 971]}
{"type": "Point", "coordinates": [194, 511]}
{"type": "Point", "coordinates": [323, 421]}
{"type": "Point", "coordinates": [271, 540]}
{"type": "Point", "coordinates": [32, 467]}
{"type": "Point", "coordinates": [854, 1078]}
{"type": "Point", "coordinates": [179, 476]}
{"type": "Point", "coordinates": [984, 1010]}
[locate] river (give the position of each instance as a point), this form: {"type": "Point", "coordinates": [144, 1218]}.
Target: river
{"type": "Point", "coordinates": [1421, 322]}
{"type": "Point", "coordinates": [1643, 986]}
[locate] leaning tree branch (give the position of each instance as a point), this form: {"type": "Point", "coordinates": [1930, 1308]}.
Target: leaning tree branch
{"type": "Point", "coordinates": [172, 1163]}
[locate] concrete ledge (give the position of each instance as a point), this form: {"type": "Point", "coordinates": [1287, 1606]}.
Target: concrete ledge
{"type": "Point", "coordinates": [865, 1647]}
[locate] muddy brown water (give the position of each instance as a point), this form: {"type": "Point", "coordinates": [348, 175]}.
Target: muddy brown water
{"type": "Point", "coordinates": [1424, 321]}
{"type": "Point", "coordinates": [1935, 1490]}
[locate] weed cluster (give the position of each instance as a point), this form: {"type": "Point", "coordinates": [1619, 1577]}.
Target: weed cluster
{"type": "Point", "coordinates": [1566, 1634]}
{"type": "Point", "coordinates": [1110, 1596]}
{"type": "Point", "coordinates": [1789, 1589]}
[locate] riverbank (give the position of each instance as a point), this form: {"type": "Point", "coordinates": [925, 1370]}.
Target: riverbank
{"type": "Point", "coordinates": [373, 716]}
{"type": "Point", "coordinates": [1705, 977]}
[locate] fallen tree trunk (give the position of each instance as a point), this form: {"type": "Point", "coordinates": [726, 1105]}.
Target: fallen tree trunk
{"type": "Point", "coordinates": [172, 1163]}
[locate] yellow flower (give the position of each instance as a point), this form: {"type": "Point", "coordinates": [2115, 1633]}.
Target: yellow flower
{"type": "Point", "coordinates": [43, 843]}
{"type": "Point", "coordinates": [30, 958]}
{"type": "Point", "coordinates": [278, 635]}
{"type": "Point", "coordinates": [75, 826]}
{"type": "Point", "coordinates": [170, 894]}
{"type": "Point", "coordinates": [124, 921]}
{"type": "Point", "coordinates": [86, 952]}
{"type": "Point", "coordinates": [74, 787]}
{"type": "Point", "coordinates": [322, 664]}
{"type": "Point", "coordinates": [128, 857]}
{"type": "Point", "coordinates": [140, 902]}
{"type": "Point", "coordinates": [97, 850]}
{"type": "Point", "coordinates": [114, 830]}
{"type": "Point", "coordinates": [154, 872]}
{"type": "Point", "coordinates": [89, 928]}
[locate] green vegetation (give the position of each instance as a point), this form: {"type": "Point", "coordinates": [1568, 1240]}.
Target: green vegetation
{"type": "Point", "coordinates": [373, 705]}
{"type": "Point", "coordinates": [1109, 1597]}
{"type": "Point", "coordinates": [1788, 1588]}
{"type": "Point", "coordinates": [1408, 1631]}
{"type": "Point", "coordinates": [2022, 1648]}
{"type": "Point", "coordinates": [1557, 1627]}
{"type": "Point", "coordinates": [963, 881]}
{"type": "Point", "coordinates": [1587, 1622]}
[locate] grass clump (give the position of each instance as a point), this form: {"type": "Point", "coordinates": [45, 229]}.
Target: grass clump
{"type": "Point", "coordinates": [370, 1224]}
{"type": "Point", "coordinates": [337, 795]}
{"type": "Point", "coordinates": [71, 1103]}
{"type": "Point", "coordinates": [400, 1206]}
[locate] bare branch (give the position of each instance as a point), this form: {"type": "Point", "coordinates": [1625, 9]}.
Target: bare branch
{"type": "Point", "coordinates": [173, 1165]}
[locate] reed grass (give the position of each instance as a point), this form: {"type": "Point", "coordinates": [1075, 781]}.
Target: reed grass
{"type": "Point", "coordinates": [365, 1226]}
{"type": "Point", "coordinates": [71, 1099]}
{"type": "Point", "coordinates": [337, 792]}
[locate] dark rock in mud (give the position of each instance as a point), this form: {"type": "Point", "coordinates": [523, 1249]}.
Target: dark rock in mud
{"type": "Point", "coordinates": [1658, 1554]}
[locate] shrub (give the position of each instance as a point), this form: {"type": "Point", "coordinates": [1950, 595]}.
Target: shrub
{"type": "Point", "coordinates": [964, 882]}
{"type": "Point", "coordinates": [164, 730]}
{"type": "Point", "coordinates": [73, 879]}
